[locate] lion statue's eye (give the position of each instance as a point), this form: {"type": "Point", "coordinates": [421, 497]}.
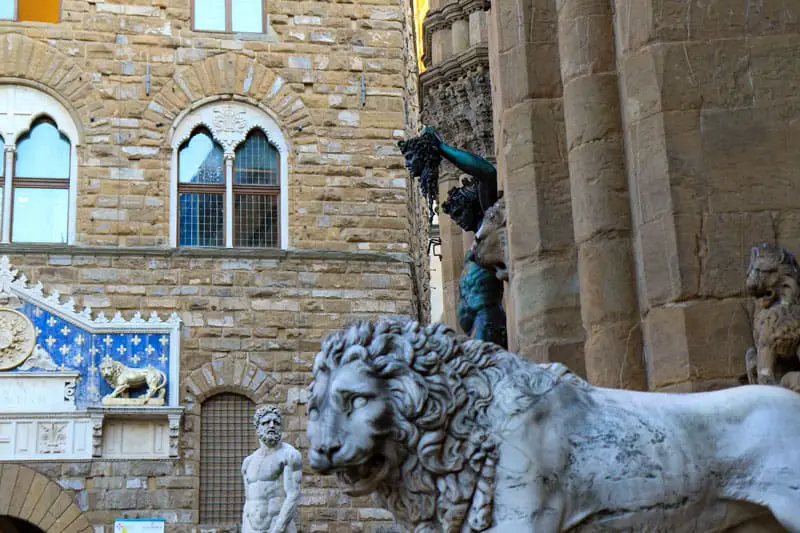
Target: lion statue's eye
{"type": "Point", "coordinates": [359, 402]}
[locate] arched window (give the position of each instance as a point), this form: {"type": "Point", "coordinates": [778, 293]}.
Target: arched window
{"type": "Point", "coordinates": [201, 191]}
{"type": "Point", "coordinates": [256, 190]}
{"type": "Point", "coordinates": [229, 179]}
{"type": "Point", "coordinates": [40, 204]}
{"type": "Point", "coordinates": [39, 175]}
{"type": "Point", "coordinates": [227, 436]}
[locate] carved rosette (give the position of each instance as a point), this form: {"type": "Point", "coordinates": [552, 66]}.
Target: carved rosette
{"type": "Point", "coordinates": [17, 338]}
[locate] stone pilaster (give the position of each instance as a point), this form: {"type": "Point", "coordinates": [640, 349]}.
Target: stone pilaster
{"type": "Point", "coordinates": [599, 190]}
{"type": "Point", "coordinates": [544, 320]}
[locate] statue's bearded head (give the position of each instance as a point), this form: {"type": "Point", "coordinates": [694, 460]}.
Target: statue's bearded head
{"type": "Point", "coordinates": [464, 206]}
{"type": "Point", "coordinates": [269, 425]}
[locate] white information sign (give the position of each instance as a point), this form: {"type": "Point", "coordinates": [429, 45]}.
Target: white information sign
{"type": "Point", "coordinates": [139, 525]}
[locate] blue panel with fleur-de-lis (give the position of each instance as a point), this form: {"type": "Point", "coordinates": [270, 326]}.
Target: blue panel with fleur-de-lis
{"type": "Point", "coordinates": [61, 345]}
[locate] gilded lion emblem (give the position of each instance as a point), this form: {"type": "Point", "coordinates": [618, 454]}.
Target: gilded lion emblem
{"type": "Point", "coordinates": [122, 378]}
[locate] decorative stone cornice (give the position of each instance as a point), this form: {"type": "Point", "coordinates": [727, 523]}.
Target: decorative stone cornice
{"type": "Point", "coordinates": [457, 100]}
{"type": "Point", "coordinates": [444, 17]}
{"type": "Point", "coordinates": [475, 58]}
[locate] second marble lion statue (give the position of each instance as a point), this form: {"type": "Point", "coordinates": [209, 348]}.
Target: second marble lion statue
{"type": "Point", "coordinates": [454, 435]}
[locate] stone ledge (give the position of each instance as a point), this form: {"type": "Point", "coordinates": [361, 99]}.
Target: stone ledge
{"type": "Point", "coordinates": [209, 253]}
{"type": "Point", "coordinates": [455, 66]}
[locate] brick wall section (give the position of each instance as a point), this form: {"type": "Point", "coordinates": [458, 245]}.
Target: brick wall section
{"type": "Point", "coordinates": [267, 313]}
{"type": "Point", "coordinates": [347, 186]}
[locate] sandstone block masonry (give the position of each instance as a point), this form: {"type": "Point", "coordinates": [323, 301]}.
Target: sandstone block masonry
{"type": "Point", "coordinates": [128, 70]}
{"type": "Point", "coordinates": [252, 326]}
{"type": "Point", "coordinates": [341, 85]}
{"type": "Point", "coordinates": [643, 150]}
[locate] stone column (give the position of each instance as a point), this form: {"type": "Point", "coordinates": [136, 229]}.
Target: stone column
{"type": "Point", "coordinates": [599, 190]}
{"type": "Point", "coordinates": [543, 299]}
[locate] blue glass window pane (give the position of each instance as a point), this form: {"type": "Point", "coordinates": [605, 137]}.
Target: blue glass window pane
{"type": "Point", "coordinates": [256, 161]}
{"type": "Point", "coordinates": [200, 160]}
{"type": "Point", "coordinates": [209, 15]}
{"type": "Point", "coordinates": [43, 153]}
{"type": "Point", "coordinates": [40, 215]}
{"type": "Point", "coordinates": [247, 16]}
{"type": "Point", "coordinates": [201, 219]}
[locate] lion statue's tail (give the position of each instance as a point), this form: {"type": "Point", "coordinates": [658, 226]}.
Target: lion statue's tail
{"type": "Point", "coordinates": [161, 390]}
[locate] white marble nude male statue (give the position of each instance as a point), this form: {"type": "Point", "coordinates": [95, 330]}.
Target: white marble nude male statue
{"type": "Point", "coordinates": [272, 477]}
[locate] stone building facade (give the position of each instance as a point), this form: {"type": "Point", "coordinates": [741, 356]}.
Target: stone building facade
{"type": "Point", "coordinates": [643, 150]}
{"type": "Point", "coordinates": [234, 172]}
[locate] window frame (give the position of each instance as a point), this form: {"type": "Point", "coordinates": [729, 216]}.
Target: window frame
{"type": "Point", "coordinates": [249, 429]}
{"type": "Point", "coordinates": [229, 123]}
{"type": "Point", "coordinates": [14, 128]}
{"type": "Point", "coordinates": [229, 189]}
{"type": "Point", "coordinates": [255, 190]}
{"type": "Point", "coordinates": [228, 19]}
{"type": "Point", "coordinates": [60, 14]}
{"type": "Point", "coordinates": [61, 184]}
{"type": "Point", "coordinates": [203, 188]}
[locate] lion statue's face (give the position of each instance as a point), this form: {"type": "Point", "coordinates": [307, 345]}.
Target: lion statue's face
{"type": "Point", "coordinates": [107, 369]}
{"type": "Point", "coordinates": [348, 419]}
{"type": "Point", "coordinates": [490, 244]}
{"type": "Point", "coordinates": [769, 268]}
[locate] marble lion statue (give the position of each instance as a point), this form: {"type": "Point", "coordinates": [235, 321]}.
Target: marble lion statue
{"type": "Point", "coordinates": [122, 378]}
{"type": "Point", "coordinates": [457, 435]}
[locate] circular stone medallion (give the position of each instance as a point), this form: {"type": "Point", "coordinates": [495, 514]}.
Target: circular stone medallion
{"type": "Point", "coordinates": [17, 338]}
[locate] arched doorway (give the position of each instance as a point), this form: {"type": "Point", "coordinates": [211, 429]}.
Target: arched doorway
{"type": "Point", "coordinates": [10, 524]}
{"type": "Point", "coordinates": [33, 503]}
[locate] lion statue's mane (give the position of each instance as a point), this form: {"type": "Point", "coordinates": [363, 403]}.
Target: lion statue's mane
{"type": "Point", "coordinates": [439, 459]}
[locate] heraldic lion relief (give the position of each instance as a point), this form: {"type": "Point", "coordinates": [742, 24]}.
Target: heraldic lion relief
{"type": "Point", "coordinates": [123, 378]}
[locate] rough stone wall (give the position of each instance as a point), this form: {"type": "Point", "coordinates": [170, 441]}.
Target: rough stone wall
{"type": "Point", "coordinates": [418, 212]}
{"type": "Point", "coordinates": [347, 187]}
{"type": "Point", "coordinates": [674, 119]}
{"type": "Point", "coordinates": [710, 107]}
{"type": "Point", "coordinates": [261, 317]}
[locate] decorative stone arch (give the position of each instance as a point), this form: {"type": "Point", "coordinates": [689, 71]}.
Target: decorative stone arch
{"type": "Point", "coordinates": [66, 94]}
{"type": "Point", "coordinates": [28, 495]}
{"type": "Point", "coordinates": [22, 103]}
{"type": "Point", "coordinates": [227, 375]}
{"type": "Point", "coordinates": [26, 61]}
{"type": "Point", "coordinates": [236, 77]}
